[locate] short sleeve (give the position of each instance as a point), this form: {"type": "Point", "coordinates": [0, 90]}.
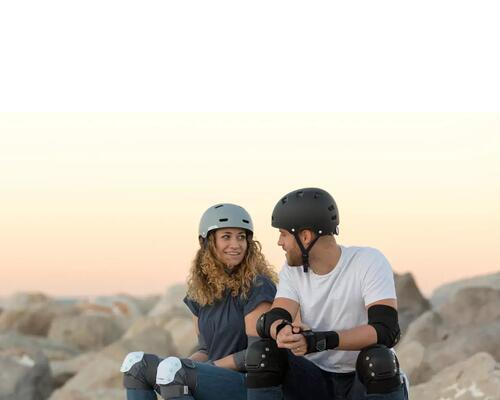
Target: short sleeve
{"type": "Point", "coordinates": [263, 290]}
{"type": "Point", "coordinates": [286, 288]}
{"type": "Point", "coordinates": [378, 280]}
{"type": "Point", "coordinates": [193, 306]}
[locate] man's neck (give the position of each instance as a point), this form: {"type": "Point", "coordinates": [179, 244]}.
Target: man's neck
{"type": "Point", "coordinates": [325, 260]}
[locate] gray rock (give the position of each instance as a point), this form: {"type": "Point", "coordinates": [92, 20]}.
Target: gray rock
{"type": "Point", "coordinates": [34, 319]}
{"type": "Point", "coordinates": [411, 302]}
{"type": "Point", "coordinates": [22, 300]}
{"type": "Point", "coordinates": [172, 302]}
{"type": "Point", "coordinates": [52, 349]}
{"type": "Point", "coordinates": [445, 292]}
{"type": "Point", "coordinates": [467, 324]}
{"type": "Point", "coordinates": [102, 376]}
{"type": "Point", "coordinates": [179, 327]}
{"type": "Point", "coordinates": [476, 378]}
{"type": "Point", "coordinates": [25, 373]}
{"type": "Point", "coordinates": [64, 370]}
{"type": "Point", "coordinates": [86, 332]}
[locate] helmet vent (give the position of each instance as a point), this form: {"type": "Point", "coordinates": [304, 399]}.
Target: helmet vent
{"type": "Point", "coordinates": [334, 218]}
{"type": "Point", "coordinates": [331, 208]}
{"type": "Point", "coordinates": [246, 221]}
{"type": "Point", "coordinates": [223, 219]}
{"type": "Point", "coordinates": [284, 200]}
{"type": "Point", "coordinates": [317, 195]}
{"type": "Point", "coordinates": [219, 206]}
{"type": "Point", "coordinates": [300, 194]}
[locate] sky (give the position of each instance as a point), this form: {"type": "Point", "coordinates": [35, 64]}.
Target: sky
{"type": "Point", "coordinates": [105, 203]}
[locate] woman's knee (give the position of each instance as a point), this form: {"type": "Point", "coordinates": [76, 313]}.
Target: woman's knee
{"type": "Point", "coordinates": [139, 370]}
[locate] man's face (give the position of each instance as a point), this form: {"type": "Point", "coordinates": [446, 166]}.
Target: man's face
{"type": "Point", "coordinates": [289, 245]}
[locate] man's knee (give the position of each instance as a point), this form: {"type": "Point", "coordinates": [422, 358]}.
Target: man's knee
{"type": "Point", "coordinates": [176, 377]}
{"type": "Point", "coordinates": [266, 364]}
{"type": "Point", "coordinates": [139, 370]}
{"type": "Point", "coordinates": [377, 368]}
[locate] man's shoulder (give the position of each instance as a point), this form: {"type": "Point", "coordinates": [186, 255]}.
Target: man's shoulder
{"type": "Point", "coordinates": [364, 252]}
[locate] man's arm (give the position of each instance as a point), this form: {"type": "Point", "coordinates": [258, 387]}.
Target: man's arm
{"type": "Point", "coordinates": [365, 335]}
{"type": "Point", "coordinates": [356, 338]}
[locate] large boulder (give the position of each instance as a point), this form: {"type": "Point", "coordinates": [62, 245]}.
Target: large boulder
{"type": "Point", "coordinates": [411, 302]}
{"type": "Point", "coordinates": [171, 301]}
{"type": "Point", "coordinates": [180, 328]}
{"type": "Point", "coordinates": [445, 292]}
{"type": "Point", "coordinates": [34, 319]}
{"type": "Point", "coordinates": [53, 350]}
{"type": "Point", "coordinates": [102, 376]}
{"type": "Point", "coordinates": [22, 300]}
{"type": "Point", "coordinates": [25, 373]}
{"type": "Point", "coordinates": [86, 332]}
{"type": "Point", "coordinates": [467, 324]}
{"type": "Point", "coordinates": [476, 378]}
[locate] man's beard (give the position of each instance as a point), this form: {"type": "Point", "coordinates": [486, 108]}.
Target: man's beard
{"type": "Point", "coordinates": [293, 260]}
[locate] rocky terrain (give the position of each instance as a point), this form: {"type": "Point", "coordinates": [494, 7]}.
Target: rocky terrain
{"type": "Point", "coordinates": [72, 350]}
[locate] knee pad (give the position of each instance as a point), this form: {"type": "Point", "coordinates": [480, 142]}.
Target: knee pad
{"type": "Point", "coordinates": [176, 377]}
{"type": "Point", "coordinates": [266, 364]}
{"type": "Point", "coordinates": [377, 368]}
{"type": "Point", "coordinates": [139, 370]}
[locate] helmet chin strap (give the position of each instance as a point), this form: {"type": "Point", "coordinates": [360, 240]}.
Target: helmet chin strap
{"type": "Point", "coordinates": [305, 251]}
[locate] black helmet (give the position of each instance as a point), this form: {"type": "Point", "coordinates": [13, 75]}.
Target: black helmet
{"type": "Point", "coordinates": [308, 208]}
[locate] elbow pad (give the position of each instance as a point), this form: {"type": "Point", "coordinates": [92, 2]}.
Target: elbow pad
{"type": "Point", "coordinates": [266, 320]}
{"type": "Point", "coordinates": [384, 320]}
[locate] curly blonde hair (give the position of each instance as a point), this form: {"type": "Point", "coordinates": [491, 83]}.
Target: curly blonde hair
{"type": "Point", "coordinates": [208, 279]}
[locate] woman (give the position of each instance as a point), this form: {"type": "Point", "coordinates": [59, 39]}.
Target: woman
{"type": "Point", "coordinates": [229, 287]}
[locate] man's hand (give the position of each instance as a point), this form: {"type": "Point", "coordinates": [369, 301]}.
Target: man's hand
{"type": "Point", "coordinates": [290, 337]}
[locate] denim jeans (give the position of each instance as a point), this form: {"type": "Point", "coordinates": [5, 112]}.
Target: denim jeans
{"type": "Point", "coordinates": [304, 380]}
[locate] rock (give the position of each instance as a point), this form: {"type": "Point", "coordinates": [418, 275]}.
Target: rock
{"type": "Point", "coordinates": [468, 324]}
{"type": "Point", "coordinates": [121, 305]}
{"type": "Point", "coordinates": [63, 370]}
{"type": "Point", "coordinates": [180, 328]}
{"type": "Point", "coordinates": [172, 302]}
{"type": "Point", "coordinates": [25, 373]}
{"type": "Point", "coordinates": [102, 376]}
{"type": "Point", "coordinates": [476, 378]}
{"type": "Point", "coordinates": [446, 292]}
{"type": "Point", "coordinates": [52, 349]}
{"type": "Point", "coordinates": [22, 300]}
{"type": "Point", "coordinates": [411, 302]}
{"type": "Point", "coordinates": [34, 319]}
{"type": "Point", "coordinates": [86, 332]}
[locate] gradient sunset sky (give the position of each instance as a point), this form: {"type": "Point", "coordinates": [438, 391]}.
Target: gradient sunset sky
{"type": "Point", "coordinates": [105, 203]}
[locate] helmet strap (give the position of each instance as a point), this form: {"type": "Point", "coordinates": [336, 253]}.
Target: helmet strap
{"type": "Point", "coordinates": [305, 251]}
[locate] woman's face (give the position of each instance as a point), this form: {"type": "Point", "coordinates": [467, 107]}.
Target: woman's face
{"type": "Point", "coordinates": [230, 245]}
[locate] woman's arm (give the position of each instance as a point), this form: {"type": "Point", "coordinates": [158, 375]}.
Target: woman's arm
{"type": "Point", "coordinates": [251, 331]}
{"type": "Point", "coordinates": [201, 354]}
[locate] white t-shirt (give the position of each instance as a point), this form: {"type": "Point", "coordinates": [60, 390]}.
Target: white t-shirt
{"type": "Point", "coordinates": [337, 301]}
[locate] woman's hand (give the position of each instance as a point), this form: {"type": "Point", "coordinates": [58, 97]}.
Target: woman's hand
{"type": "Point", "coordinates": [290, 337]}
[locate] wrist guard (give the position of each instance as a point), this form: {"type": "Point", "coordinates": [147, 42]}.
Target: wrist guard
{"type": "Point", "coordinates": [320, 341]}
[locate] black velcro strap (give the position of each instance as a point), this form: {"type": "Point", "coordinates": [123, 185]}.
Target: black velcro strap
{"type": "Point", "coordinates": [266, 320]}
{"type": "Point", "coordinates": [384, 319]}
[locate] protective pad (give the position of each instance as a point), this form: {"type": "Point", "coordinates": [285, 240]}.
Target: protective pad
{"type": "Point", "coordinates": [167, 370]}
{"type": "Point", "coordinates": [130, 360]}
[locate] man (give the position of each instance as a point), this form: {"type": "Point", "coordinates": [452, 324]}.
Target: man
{"type": "Point", "coordinates": [348, 308]}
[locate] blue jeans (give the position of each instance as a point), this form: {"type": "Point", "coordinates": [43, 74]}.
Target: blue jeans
{"type": "Point", "coordinates": [304, 380]}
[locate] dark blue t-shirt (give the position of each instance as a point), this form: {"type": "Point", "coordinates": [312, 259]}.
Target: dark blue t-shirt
{"type": "Point", "coordinates": [222, 324]}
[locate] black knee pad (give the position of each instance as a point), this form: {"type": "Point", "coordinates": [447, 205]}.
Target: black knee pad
{"type": "Point", "coordinates": [176, 377]}
{"type": "Point", "coordinates": [266, 364]}
{"type": "Point", "coordinates": [378, 369]}
{"type": "Point", "coordinates": [139, 370]}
